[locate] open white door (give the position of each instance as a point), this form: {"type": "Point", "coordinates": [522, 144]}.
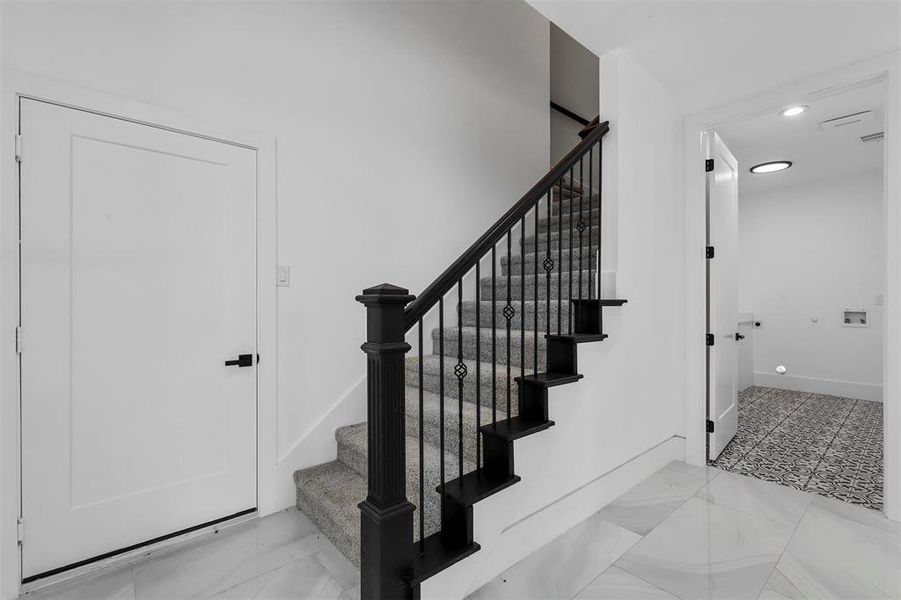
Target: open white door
{"type": "Point", "coordinates": [138, 269]}
{"type": "Point", "coordinates": [722, 295]}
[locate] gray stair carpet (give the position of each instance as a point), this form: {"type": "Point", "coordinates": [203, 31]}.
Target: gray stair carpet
{"type": "Point", "coordinates": [330, 493]}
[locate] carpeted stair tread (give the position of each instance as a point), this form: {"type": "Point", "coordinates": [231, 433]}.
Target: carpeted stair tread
{"type": "Point", "coordinates": [495, 350]}
{"type": "Point", "coordinates": [488, 381]}
{"type": "Point", "coordinates": [329, 494]}
{"type": "Point", "coordinates": [486, 306]}
{"type": "Point", "coordinates": [353, 450]}
{"type": "Point", "coordinates": [557, 221]}
{"type": "Point", "coordinates": [588, 256]}
{"type": "Point", "coordinates": [556, 291]}
{"type": "Point", "coordinates": [431, 413]}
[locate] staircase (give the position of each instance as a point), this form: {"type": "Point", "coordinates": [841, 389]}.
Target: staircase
{"type": "Point", "coordinates": [495, 352]}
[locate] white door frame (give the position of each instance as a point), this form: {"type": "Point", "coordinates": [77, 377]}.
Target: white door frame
{"type": "Point", "coordinates": [887, 69]}
{"type": "Point", "coordinates": [16, 85]}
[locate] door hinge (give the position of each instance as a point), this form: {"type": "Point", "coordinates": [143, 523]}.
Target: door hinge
{"type": "Point", "coordinates": [710, 427]}
{"type": "Point", "coordinates": [710, 339]}
{"type": "Point", "coordinates": [18, 147]}
{"type": "Point", "coordinates": [710, 252]}
{"type": "Point", "coordinates": [708, 165]}
{"type": "Point", "coordinates": [20, 530]}
{"type": "Point", "coordinates": [18, 340]}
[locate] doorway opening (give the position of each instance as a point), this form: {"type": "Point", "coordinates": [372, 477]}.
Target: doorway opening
{"type": "Point", "coordinates": [796, 269]}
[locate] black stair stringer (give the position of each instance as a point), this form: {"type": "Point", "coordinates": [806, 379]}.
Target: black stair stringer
{"type": "Point", "coordinates": [455, 540]}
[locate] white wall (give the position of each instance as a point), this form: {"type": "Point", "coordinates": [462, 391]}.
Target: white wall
{"type": "Point", "coordinates": [574, 85]}
{"type": "Point", "coordinates": [404, 130]}
{"type": "Point", "coordinates": [625, 418]}
{"type": "Point", "coordinates": [808, 252]}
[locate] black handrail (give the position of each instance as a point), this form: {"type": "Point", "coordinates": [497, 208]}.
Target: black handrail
{"type": "Point", "coordinates": [568, 113]}
{"type": "Point", "coordinates": [447, 280]}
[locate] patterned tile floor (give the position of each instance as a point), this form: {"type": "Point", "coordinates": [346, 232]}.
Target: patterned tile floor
{"type": "Point", "coordinates": [827, 445]}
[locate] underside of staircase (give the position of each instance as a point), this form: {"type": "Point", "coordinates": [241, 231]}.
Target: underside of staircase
{"type": "Point", "coordinates": [501, 354]}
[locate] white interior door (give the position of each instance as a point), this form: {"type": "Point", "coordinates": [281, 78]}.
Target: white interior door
{"type": "Point", "coordinates": [722, 295]}
{"type": "Point", "coordinates": [138, 282]}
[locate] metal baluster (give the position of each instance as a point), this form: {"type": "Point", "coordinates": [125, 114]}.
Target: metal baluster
{"type": "Point", "coordinates": [478, 365]}
{"type": "Point", "coordinates": [548, 261]}
{"type": "Point", "coordinates": [508, 314]}
{"type": "Point", "coordinates": [535, 308]}
{"type": "Point", "coordinates": [571, 202]}
{"type": "Point", "coordinates": [421, 452]}
{"type": "Point", "coordinates": [522, 299]}
{"type": "Point", "coordinates": [600, 221]}
{"type": "Point", "coordinates": [460, 372]}
{"type": "Point", "coordinates": [560, 256]}
{"type": "Point", "coordinates": [493, 334]}
{"type": "Point", "coordinates": [441, 391]}
{"type": "Point", "coordinates": [590, 224]}
{"type": "Point", "coordinates": [581, 226]}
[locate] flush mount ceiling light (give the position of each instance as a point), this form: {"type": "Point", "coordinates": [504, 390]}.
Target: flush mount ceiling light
{"type": "Point", "coordinates": [771, 167]}
{"type": "Point", "coordinates": [793, 111]}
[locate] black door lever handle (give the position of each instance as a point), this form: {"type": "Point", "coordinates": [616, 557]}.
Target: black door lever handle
{"type": "Point", "coordinates": [739, 337]}
{"type": "Point", "coordinates": [243, 360]}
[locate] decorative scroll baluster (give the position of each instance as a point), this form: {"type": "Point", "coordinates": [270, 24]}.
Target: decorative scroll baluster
{"type": "Point", "coordinates": [460, 371]}
{"type": "Point", "coordinates": [508, 314]}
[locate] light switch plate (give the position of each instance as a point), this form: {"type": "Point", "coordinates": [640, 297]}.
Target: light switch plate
{"type": "Point", "coordinates": [284, 276]}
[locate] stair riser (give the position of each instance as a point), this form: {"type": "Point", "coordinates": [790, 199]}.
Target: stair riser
{"type": "Point", "coordinates": [431, 383]}
{"type": "Point", "coordinates": [556, 291]}
{"type": "Point", "coordinates": [589, 261]}
{"type": "Point", "coordinates": [469, 314]}
{"type": "Point", "coordinates": [495, 351]}
{"type": "Point", "coordinates": [564, 247]}
{"type": "Point", "coordinates": [563, 207]}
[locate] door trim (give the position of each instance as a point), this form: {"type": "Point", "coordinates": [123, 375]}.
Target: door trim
{"type": "Point", "coordinates": [885, 69]}
{"type": "Point", "coordinates": [18, 85]}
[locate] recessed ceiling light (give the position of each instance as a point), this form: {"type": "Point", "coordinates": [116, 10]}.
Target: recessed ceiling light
{"type": "Point", "coordinates": [793, 111]}
{"type": "Point", "coordinates": [771, 167]}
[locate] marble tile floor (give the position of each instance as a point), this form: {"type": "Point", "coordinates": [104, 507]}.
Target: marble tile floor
{"type": "Point", "coordinates": [827, 445]}
{"type": "Point", "coordinates": [685, 532]}
{"type": "Point", "coordinates": [279, 557]}
{"type": "Point", "coordinates": [703, 533]}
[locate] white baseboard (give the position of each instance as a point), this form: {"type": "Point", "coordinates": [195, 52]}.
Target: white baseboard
{"type": "Point", "coordinates": [815, 385]}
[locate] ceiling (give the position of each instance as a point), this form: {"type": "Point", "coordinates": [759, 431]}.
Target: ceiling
{"type": "Point", "coordinates": [711, 52]}
{"type": "Point", "coordinates": [815, 154]}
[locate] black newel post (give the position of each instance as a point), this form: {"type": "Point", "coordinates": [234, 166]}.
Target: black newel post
{"type": "Point", "coordinates": [386, 535]}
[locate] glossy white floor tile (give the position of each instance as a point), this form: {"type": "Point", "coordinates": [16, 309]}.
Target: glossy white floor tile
{"type": "Point", "coordinates": [758, 498]}
{"type": "Point", "coordinates": [572, 560]}
{"type": "Point", "coordinates": [841, 551]}
{"type": "Point", "coordinates": [115, 585]}
{"type": "Point", "coordinates": [616, 584]}
{"type": "Point", "coordinates": [722, 536]}
{"type": "Point", "coordinates": [255, 560]}
{"type": "Point", "coordinates": [647, 504]}
{"type": "Point", "coordinates": [706, 550]}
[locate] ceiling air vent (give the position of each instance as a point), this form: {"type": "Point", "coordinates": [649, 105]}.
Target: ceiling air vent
{"type": "Point", "coordinates": [873, 137]}
{"type": "Point", "coordinates": [852, 121]}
